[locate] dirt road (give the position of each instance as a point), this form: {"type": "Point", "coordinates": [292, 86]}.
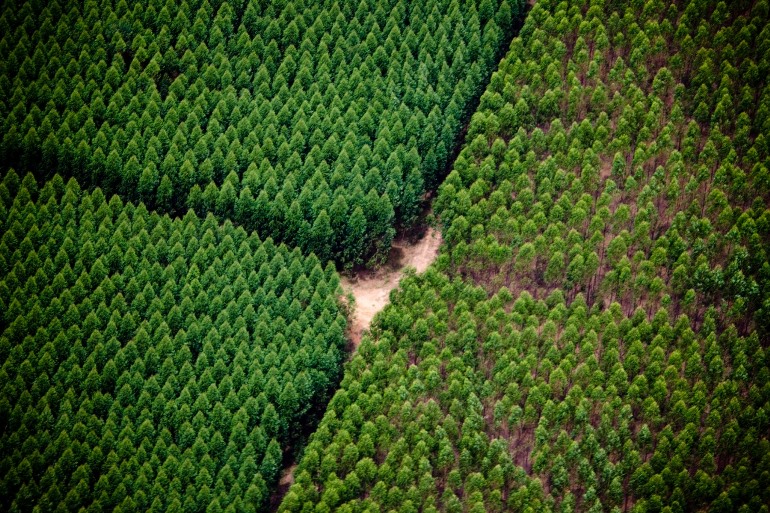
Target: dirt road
{"type": "Point", "coordinates": [372, 292]}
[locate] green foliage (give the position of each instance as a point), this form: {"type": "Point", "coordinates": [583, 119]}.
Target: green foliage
{"type": "Point", "coordinates": [632, 196]}
{"type": "Point", "coordinates": [594, 337]}
{"type": "Point", "coordinates": [150, 362]}
{"type": "Point", "coordinates": [215, 104]}
{"type": "Point", "coordinates": [506, 403]}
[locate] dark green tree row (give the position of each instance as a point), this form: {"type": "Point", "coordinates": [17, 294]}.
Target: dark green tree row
{"type": "Point", "coordinates": [464, 402]}
{"type": "Point", "coordinates": [151, 364]}
{"type": "Point", "coordinates": [320, 124]}
{"type": "Point", "coordinates": [624, 152]}
{"type": "Point", "coordinates": [594, 334]}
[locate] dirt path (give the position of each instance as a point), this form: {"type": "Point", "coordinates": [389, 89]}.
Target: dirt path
{"type": "Point", "coordinates": [287, 479]}
{"type": "Point", "coordinates": [372, 291]}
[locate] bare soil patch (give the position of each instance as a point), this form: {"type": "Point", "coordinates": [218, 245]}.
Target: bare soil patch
{"type": "Point", "coordinates": [287, 479]}
{"type": "Point", "coordinates": [372, 289]}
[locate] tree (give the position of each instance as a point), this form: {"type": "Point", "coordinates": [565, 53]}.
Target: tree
{"type": "Point", "coordinates": [322, 237]}
{"type": "Point", "coordinates": [354, 240]}
{"type": "Point", "coordinates": [164, 198]}
{"type": "Point", "coordinates": [271, 463]}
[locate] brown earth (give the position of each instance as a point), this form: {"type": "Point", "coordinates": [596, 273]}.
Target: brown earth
{"type": "Point", "coordinates": [371, 290]}
{"type": "Point", "coordinates": [287, 479]}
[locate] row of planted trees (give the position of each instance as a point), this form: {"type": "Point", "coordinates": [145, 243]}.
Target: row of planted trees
{"type": "Point", "coordinates": [318, 124]}
{"type": "Point", "coordinates": [593, 336]}
{"type": "Point", "coordinates": [462, 401]}
{"type": "Point", "coordinates": [649, 183]}
{"type": "Point", "coordinates": [152, 364]}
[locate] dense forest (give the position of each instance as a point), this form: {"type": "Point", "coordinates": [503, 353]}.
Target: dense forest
{"type": "Point", "coordinates": [594, 334]}
{"type": "Point", "coordinates": [152, 364]}
{"type": "Point", "coordinates": [181, 183]}
{"type": "Point", "coordinates": [320, 124]}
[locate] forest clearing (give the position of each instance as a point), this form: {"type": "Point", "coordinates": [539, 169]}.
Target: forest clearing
{"type": "Point", "coordinates": [371, 289]}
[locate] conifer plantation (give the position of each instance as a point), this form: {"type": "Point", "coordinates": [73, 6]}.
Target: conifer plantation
{"type": "Point", "coordinates": [319, 124]}
{"type": "Point", "coordinates": [594, 336]}
{"type": "Point", "coordinates": [181, 184]}
{"type": "Point", "coordinates": [152, 364]}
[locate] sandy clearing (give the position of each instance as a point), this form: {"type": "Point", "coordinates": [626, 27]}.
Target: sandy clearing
{"type": "Point", "coordinates": [372, 290]}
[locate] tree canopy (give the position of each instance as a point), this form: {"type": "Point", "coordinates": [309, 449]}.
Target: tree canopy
{"type": "Point", "coordinates": [149, 363]}
{"type": "Point", "coordinates": [244, 108]}
{"type": "Point", "coordinates": [593, 336]}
